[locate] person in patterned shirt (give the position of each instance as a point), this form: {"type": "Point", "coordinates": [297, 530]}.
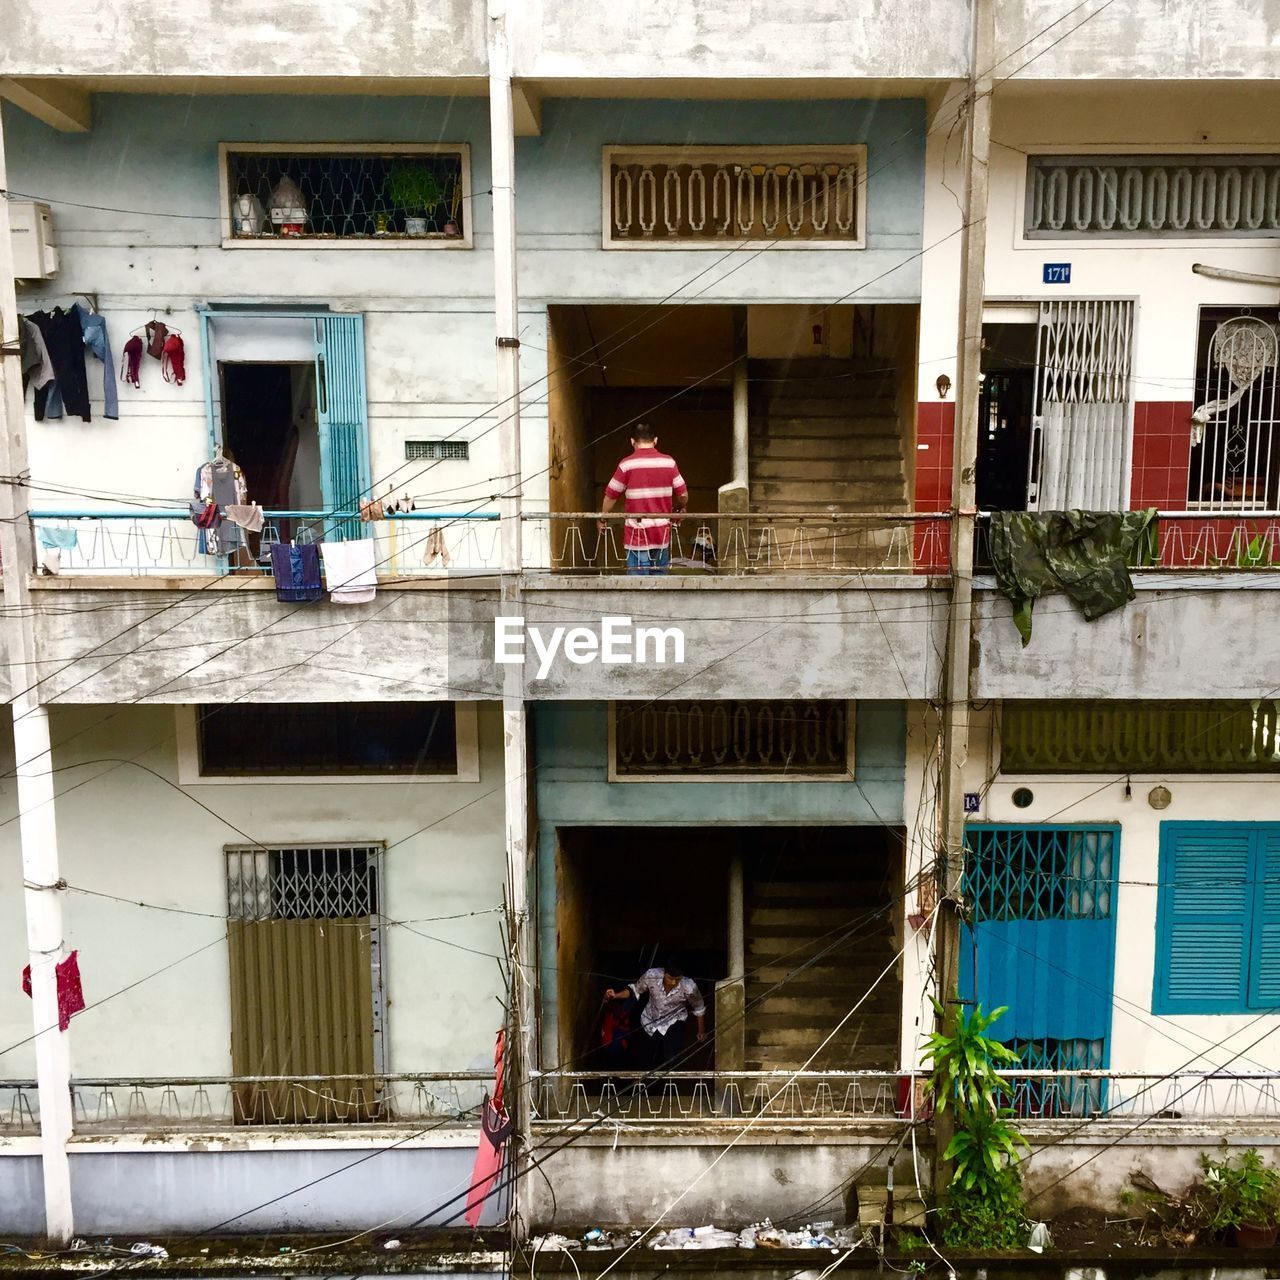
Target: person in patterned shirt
{"type": "Point", "coordinates": [672, 998]}
{"type": "Point", "coordinates": [651, 487]}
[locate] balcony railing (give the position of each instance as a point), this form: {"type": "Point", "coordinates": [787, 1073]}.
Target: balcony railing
{"type": "Point", "coordinates": [164, 543]}
{"type": "Point", "coordinates": [184, 1104]}
{"type": "Point", "coordinates": [688, 1097]}
{"type": "Point", "coordinates": [1195, 540]}
{"type": "Point", "coordinates": [710, 544]}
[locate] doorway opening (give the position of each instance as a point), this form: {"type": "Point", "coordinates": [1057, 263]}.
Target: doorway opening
{"type": "Point", "coordinates": [1005, 408]}
{"type": "Point", "coordinates": [271, 430]}
{"type": "Point", "coordinates": [815, 932]}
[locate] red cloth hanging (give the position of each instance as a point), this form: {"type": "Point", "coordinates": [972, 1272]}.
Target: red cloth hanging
{"type": "Point", "coordinates": [70, 990]}
{"type": "Point", "coordinates": [173, 362]}
{"type": "Point", "coordinates": [495, 1127]}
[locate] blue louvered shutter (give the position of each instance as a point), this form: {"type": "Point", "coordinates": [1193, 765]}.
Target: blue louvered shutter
{"type": "Point", "coordinates": [344, 423]}
{"type": "Point", "coordinates": [1206, 907]}
{"type": "Point", "coordinates": [1264, 968]}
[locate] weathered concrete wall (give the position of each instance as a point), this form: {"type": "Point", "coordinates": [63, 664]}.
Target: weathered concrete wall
{"type": "Point", "coordinates": [825, 639]}
{"type": "Point", "coordinates": [21, 1188]}
{"type": "Point", "coordinates": [131, 826]}
{"type": "Point", "coordinates": [230, 39]}
{"type": "Point", "coordinates": [144, 1189]}
{"type": "Point", "coordinates": [1214, 639]}
{"type": "Point", "coordinates": [576, 40]}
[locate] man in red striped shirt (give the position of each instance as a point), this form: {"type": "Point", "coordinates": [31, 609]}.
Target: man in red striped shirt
{"type": "Point", "coordinates": [652, 488]}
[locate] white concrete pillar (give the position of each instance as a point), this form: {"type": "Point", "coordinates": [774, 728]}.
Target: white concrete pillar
{"type": "Point", "coordinates": [38, 827]}
{"type": "Point", "coordinates": [35, 779]}
{"type": "Point", "coordinates": [515, 730]}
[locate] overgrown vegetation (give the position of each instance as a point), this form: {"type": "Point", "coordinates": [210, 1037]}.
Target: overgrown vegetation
{"type": "Point", "coordinates": [1240, 1193]}
{"type": "Point", "coordinates": [982, 1206]}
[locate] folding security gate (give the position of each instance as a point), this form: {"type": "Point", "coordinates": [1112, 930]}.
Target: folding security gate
{"type": "Point", "coordinates": [306, 982]}
{"type": "Point", "coordinates": [1084, 353]}
{"type": "Point", "coordinates": [1041, 942]}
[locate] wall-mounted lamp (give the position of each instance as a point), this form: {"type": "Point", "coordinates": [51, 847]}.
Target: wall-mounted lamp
{"type": "Point", "coordinates": [944, 385]}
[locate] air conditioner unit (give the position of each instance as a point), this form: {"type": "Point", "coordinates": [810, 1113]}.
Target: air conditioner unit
{"type": "Point", "coordinates": [35, 256]}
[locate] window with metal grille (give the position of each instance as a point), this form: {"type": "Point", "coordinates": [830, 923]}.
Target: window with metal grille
{"type": "Point", "coordinates": [1152, 196]}
{"type": "Point", "coordinates": [1140, 737]}
{"type": "Point", "coordinates": [327, 738]}
{"type": "Point", "coordinates": [656, 196]}
{"type": "Point", "coordinates": [1235, 436]}
{"type": "Point", "coordinates": [316, 194]}
{"type": "Point", "coordinates": [1044, 1097]}
{"type": "Point", "coordinates": [436, 450]}
{"type": "Point", "coordinates": [735, 738]}
{"type": "Point", "coordinates": [1040, 873]}
{"type": "Point", "coordinates": [332, 883]}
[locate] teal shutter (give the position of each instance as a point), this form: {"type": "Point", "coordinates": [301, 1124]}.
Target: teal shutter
{"type": "Point", "coordinates": [1206, 906]}
{"type": "Point", "coordinates": [1264, 969]}
{"type": "Point", "coordinates": [344, 423]}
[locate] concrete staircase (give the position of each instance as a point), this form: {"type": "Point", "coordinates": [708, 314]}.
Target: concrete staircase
{"type": "Point", "coordinates": [824, 436]}
{"type": "Point", "coordinates": [793, 912]}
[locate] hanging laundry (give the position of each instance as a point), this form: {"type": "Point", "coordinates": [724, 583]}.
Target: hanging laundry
{"type": "Point", "coordinates": [371, 509]}
{"type": "Point", "coordinates": [70, 988]}
{"type": "Point", "coordinates": [221, 482]}
{"type": "Point", "coordinates": [297, 573]}
{"type": "Point", "coordinates": [131, 366]}
{"type": "Point", "coordinates": [94, 328]}
{"type": "Point", "coordinates": [37, 368]}
{"type": "Point", "coordinates": [350, 570]}
{"type": "Point", "coordinates": [54, 537]}
{"type": "Point", "coordinates": [173, 363]}
{"type": "Point", "coordinates": [247, 515]}
{"type": "Point", "coordinates": [64, 339]}
{"type": "Point", "coordinates": [495, 1128]}
{"type": "Point", "coordinates": [157, 331]}
{"type": "Point", "coordinates": [436, 549]}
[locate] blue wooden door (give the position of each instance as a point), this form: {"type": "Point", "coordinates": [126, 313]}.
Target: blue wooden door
{"type": "Point", "coordinates": [1042, 942]}
{"type": "Point", "coordinates": [342, 402]}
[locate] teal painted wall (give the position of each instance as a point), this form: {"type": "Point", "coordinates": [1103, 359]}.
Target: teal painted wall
{"type": "Point", "coordinates": [572, 788]}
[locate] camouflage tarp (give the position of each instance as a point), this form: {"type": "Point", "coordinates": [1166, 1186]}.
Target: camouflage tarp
{"type": "Point", "coordinates": [1085, 554]}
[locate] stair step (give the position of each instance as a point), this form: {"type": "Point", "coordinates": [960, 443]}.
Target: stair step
{"type": "Point", "coordinates": [865, 407]}
{"type": "Point", "coordinates": [764, 1026]}
{"type": "Point", "coordinates": [801, 366]}
{"type": "Point", "coordinates": [808, 917]}
{"type": "Point", "coordinates": [832, 446]}
{"type": "Point", "coordinates": [828, 469]}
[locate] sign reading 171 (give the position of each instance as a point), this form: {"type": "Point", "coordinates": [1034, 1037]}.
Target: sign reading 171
{"type": "Point", "coordinates": [1057, 273]}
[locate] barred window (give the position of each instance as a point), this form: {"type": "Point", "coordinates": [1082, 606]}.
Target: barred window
{"type": "Point", "coordinates": [436, 450]}
{"type": "Point", "coordinates": [732, 738]}
{"type": "Point", "coordinates": [1146, 196]}
{"type": "Point", "coordinates": [1140, 737]}
{"type": "Point", "coordinates": [331, 883]}
{"type": "Point", "coordinates": [1040, 873]}
{"type": "Point", "coordinates": [327, 739]}
{"type": "Point", "coordinates": [317, 194]}
{"type": "Point", "coordinates": [657, 196]}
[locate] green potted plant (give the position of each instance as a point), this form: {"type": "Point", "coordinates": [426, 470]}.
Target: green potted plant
{"type": "Point", "coordinates": [1242, 1199]}
{"type": "Point", "coordinates": [416, 192]}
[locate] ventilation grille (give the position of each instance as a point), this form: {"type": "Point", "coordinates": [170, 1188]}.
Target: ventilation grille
{"type": "Point", "coordinates": [436, 450]}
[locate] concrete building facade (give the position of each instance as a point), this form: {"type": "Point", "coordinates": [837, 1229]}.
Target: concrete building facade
{"type": "Point", "coordinates": [420, 277]}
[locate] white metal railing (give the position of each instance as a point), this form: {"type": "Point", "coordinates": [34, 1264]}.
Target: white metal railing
{"type": "Point", "coordinates": [1152, 196]}
{"type": "Point", "coordinates": [711, 544]}
{"type": "Point", "coordinates": [182, 1104]}
{"type": "Point", "coordinates": [682, 1097]}
{"type": "Point", "coordinates": [786, 194]}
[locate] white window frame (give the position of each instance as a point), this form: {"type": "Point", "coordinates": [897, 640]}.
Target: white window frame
{"type": "Point", "coordinates": [467, 734]}
{"type": "Point", "coordinates": [835, 154]}
{"type": "Point", "coordinates": [1076, 244]}
{"type": "Point", "coordinates": [293, 244]}
{"type": "Point", "coordinates": [728, 779]}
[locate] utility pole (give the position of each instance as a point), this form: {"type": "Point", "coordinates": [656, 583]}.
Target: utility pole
{"type": "Point", "coordinates": [520, 1059]}
{"type": "Point", "coordinates": [34, 765]}
{"type": "Point", "coordinates": [956, 687]}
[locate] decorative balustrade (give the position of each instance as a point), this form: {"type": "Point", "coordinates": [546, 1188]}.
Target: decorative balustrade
{"type": "Point", "coordinates": [150, 1104]}
{"type": "Point", "coordinates": [631, 1099]}
{"type": "Point", "coordinates": [625, 1100]}
{"type": "Point", "coordinates": [674, 195]}
{"type": "Point", "coordinates": [706, 545]}
{"type": "Point", "coordinates": [1149, 196]}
